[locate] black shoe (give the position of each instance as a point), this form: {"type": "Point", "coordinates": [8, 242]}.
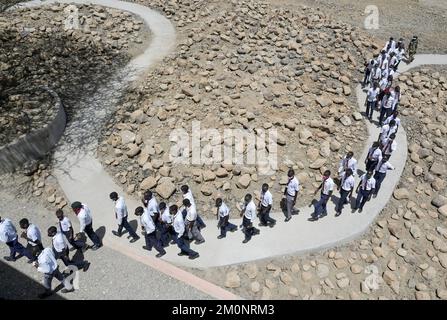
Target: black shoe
{"type": "Point", "coordinates": [181, 253]}
{"type": "Point", "coordinates": [116, 233]}
{"type": "Point", "coordinates": [11, 259]}
{"type": "Point", "coordinates": [134, 240]}
{"type": "Point", "coordinates": [338, 214]}
{"type": "Point", "coordinates": [245, 241]}
{"type": "Point", "coordinates": [262, 224]}
{"type": "Point", "coordinates": [220, 236]}
{"type": "Point", "coordinates": [287, 219]}
{"type": "Point", "coordinates": [271, 225]}
{"type": "Point", "coordinates": [30, 261]}
{"type": "Point", "coordinates": [147, 248]}
{"type": "Point", "coordinates": [159, 255]}
{"type": "Point", "coordinates": [44, 294]}
{"type": "Point", "coordinates": [312, 219]}
{"type": "Point", "coordinates": [199, 242]}
{"type": "Point", "coordinates": [86, 266]}
{"type": "Point", "coordinates": [375, 195]}
{"type": "Point", "coordinates": [234, 229]}
{"type": "Point", "coordinates": [96, 247]}
{"type": "Point", "coordinates": [67, 290]}
{"type": "Point", "coordinates": [256, 232]}
{"type": "Point", "coordinates": [73, 248]}
{"type": "Point", "coordinates": [360, 210]}
{"type": "Point", "coordinates": [194, 256]}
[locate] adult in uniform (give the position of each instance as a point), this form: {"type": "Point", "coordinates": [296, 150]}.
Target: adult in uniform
{"type": "Point", "coordinates": [33, 237]}
{"type": "Point", "coordinates": [148, 226]}
{"type": "Point", "coordinates": [8, 235]}
{"type": "Point", "coordinates": [121, 215]}
{"type": "Point", "coordinates": [326, 187]}
{"type": "Point", "coordinates": [265, 206]}
{"type": "Point", "coordinates": [223, 215]}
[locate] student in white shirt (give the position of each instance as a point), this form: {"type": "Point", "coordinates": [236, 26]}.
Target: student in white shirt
{"type": "Point", "coordinates": [121, 215]}
{"type": "Point", "coordinates": [291, 193]}
{"type": "Point", "coordinates": [46, 263]}
{"type": "Point", "coordinates": [373, 157]}
{"type": "Point", "coordinates": [381, 169]}
{"type": "Point", "coordinates": [371, 100]}
{"type": "Point", "coordinates": [187, 194]}
{"type": "Point", "coordinates": [179, 237]}
{"type": "Point", "coordinates": [148, 226]}
{"type": "Point", "coordinates": [86, 223]}
{"type": "Point", "coordinates": [249, 216]}
{"type": "Point", "coordinates": [387, 130]}
{"type": "Point", "coordinates": [394, 117]}
{"type": "Point", "coordinates": [8, 235]}
{"type": "Point", "coordinates": [376, 74]}
{"type": "Point", "coordinates": [364, 190]}
{"type": "Point", "coordinates": [66, 228]}
{"type": "Point", "coordinates": [390, 45]}
{"type": "Point", "coordinates": [166, 230]}
{"type": "Point", "coordinates": [348, 162]}
{"type": "Point", "coordinates": [386, 107]}
{"type": "Point", "coordinates": [327, 188]}
{"type": "Point", "coordinates": [191, 222]}
{"type": "Point", "coordinates": [33, 237]}
{"type": "Point", "coordinates": [346, 187]}
{"type": "Point", "coordinates": [150, 204]}
{"type": "Point", "coordinates": [223, 215]}
{"type": "Point", "coordinates": [265, 206]}
{"type": "Point", "coordinates": [60, 248]}
{"type": "Point", "coordinates": [389, 145]}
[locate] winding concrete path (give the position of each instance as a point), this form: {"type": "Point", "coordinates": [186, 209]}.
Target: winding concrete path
{"type": "Point", "coordinates": [82, 177]}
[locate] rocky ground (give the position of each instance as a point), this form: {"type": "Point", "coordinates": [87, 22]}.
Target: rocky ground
{"type": "Point", "coordinates": [231, 70]}
{"type": "Point", "coordinates": [405, 251]}
{"type": "Point", "coordinates": [36, 50]}
{"type": "Point", "coordinates": [25, 112]}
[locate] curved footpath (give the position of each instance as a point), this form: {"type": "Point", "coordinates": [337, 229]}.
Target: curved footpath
{"type": "Point", "coordinates": [83, 178]}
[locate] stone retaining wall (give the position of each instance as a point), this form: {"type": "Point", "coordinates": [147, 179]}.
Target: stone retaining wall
{"type": "Point", "coordinates": [36, 144]}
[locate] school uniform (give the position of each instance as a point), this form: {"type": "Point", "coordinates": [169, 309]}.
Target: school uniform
{"type": "Point", "coordinates": [60, 248]}
{"type": "Point", "coordinates": [380, 174]}
{"type": "Point", "coordinates": [386, 108]}
{"type": "Point", "coordinates": [396, 120]}
{"type": "Point", "coordinates": [388, 146]}
{"type": "Point", "coordinates": [200, 223]}
{"type": "Point", "coordinates": [265, 206]}
{"type": "Point", "coordinates": [248, 220]}
{"type": "Point", "coordinates": [373, 157]}
{"type": "Point", "coordinates": [346, 163]}
{"type": "Point", "coordinates": [150, 234]}
{"type": "Point", "coordinates": [371, 101]}
{"type": "Point", "coordinates": [34, 238]}
{"type": "Point", "coordinates": [66, 228]}
{"type": "Point", "coordinates": [367, 187]}
{"type": "Point", "coordinates": [86, 225]}
{"type": "Point", "coordinates": [346, 185]}
{"type": "Point", "coordinates": [293, 186]}
{"type": "Point", "coordinates": [191, 223]}
{"type": "Point", "coordinates": [121, 218]}
{"type": "Point", "coordinates": [179, 238]}
{"type": "Point", "coordinates": [386, 131]}
{"type": "Point", "coordinates": [326, 189]}
{"type": "Point", "coordinates": [8, 235]}
{"type": "Point", "coordinates": [48, 266]}
{"type": "Point", "coordinates": [224, 224]}
{"type": "Point", "coordinates": [166, 227]}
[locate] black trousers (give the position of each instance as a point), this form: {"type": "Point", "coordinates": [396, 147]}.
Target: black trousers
{"type": "Point", "coordinates": [124, 224]}
{"type": "Point", "coordinates": [92, 235]}
{"type": "Point", "coordinates": [151, 241]}
{"type": "Point", "coordinates": [264, 215]}
{"type": "Point", "coordinates": [371, 164]}
{"type": "Point", "coordinates": [249, 230]}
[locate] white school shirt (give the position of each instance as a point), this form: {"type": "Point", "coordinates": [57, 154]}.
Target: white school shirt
{"type": "Point", "coordinates": [33, 233]}
{"type": "Point", "coordinates": [385, 64]}
{"type": "Point", "coordinates": [223, 210]}
{"type": "Point", "coordinates": [393, 61]}
{"type": "Point", "coordinates": [266, 199]}
{"type": "Point", "coordinates": [293, 187]}
{"type": "Point", "coordinates": [374, 154]}
{"type": "Point", "coordinates": [328, 186]}
{"type": "Point", "coordinates": [388, 120]}
{"type": "Point", "coordinates": [47, 261]}
{"type": "Point", "coordinates": [152, 206]}
{"type": "Point", "coordinates": [166, 216]}
{"type": "Point", "coordinates": [385, 73]}
{"type": "Point", "coordinates": [377, 74]}
{"type": "Point", "coordinates": [147, 222]}
{"type": "Point", "coordinates": [400, 53]}
{"type": "Point", "coordinates": [382, 167]}
{"type": "Point", "coordinates": [389, 102]}
{"type": "Point", "coordinates": [190, 197]}
{"type": "Point", "coordinates": [392, 47]}
{"type": "Point", "coordinates": [60, 243]}
{"type": "Point", "coordinates": [8, 232]}
{"type": "Point", "coordinates": [396, 99]}
{"type": "Point", "coordinates": [383, 83]}
{"type": "Point", "coordinates": [191, 213]}
{"type": "Point", "coordinates": [65, 224]}
{"type": "Point", "coordinates": [389, 146]}
{"type": "Point", "coordinates": [372, 94]}
{"type": "Point", "coordinates": [367, 184]}
{"type": "Point", "coordinates": [345, 164]}
{"type": "Point", "coordinates": [120, 210]}
{"type": "Point", "coordinates": [250, 211]}
{"type": "Point", "coordinates": [347, 184]}
{"type": "Point", "coordinates": [85, 217]}
{"type": "Point", "coordinates": [386, 131]}
{"type": "Point", "coordinates": [179, 223]}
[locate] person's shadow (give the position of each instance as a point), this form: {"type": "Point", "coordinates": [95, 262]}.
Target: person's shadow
{"type": "Point", "coordinates": [101, 232]}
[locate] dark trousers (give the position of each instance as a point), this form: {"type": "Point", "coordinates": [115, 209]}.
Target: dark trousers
{"type": "Point", "coordinates": [16, 247]}
{"type": "Point", "coordinates": [264, 216]}
{"type": "Point", "coordinates": [362, 197]}
{"type": "Point", "coordinates": [384, 113]}
{"type": "Point", "coordinates": [249, 230]}
{"type": "Point", "coordinates": [379, 176]}
{"type": "Point", "coordinates": [166, 232]}
{"type": "Point", "coordinates": [225, 226]}
{"type": "Point", "coordinates": [320, 206]}
{"type": "Point", "coordinates": [34, 251]}
{"type": "Point", "coordinates": [48, 278]}
{"type": "Point", "coordinates": [77, 244]}
{"type": "Point", "coordinates": [152, 242]}
{"type": "Point", "coordinates": [365, 78]}
{"type": "Point", "coordinates": [341, 202]}
{"type": "Point", "coordinates": [370, 106]}
{"type": "Point", "coordinates": [124, 224]}
{"type": "Point", "coordinates": [183, 245]}
{"type": "Point", "coordinates": [371, 164]}
{"type": "Point", "coordinates": [64, 256]}
{"type": "Point", "coordinates": [92, 235]}
{"type": "Point", "coordinates": [199, 220]}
